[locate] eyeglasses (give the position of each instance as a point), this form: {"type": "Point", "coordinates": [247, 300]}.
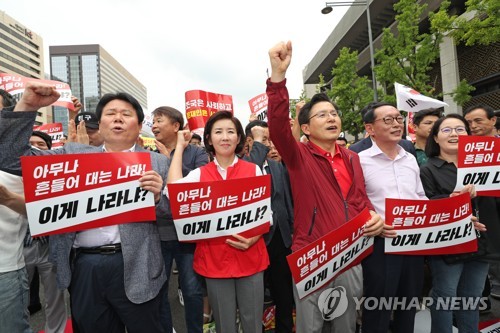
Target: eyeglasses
{"type": "Point", "coordinates": [458, 130]}
{"type": "Point", "coordinates": [390, 119]}
{"type": "Point", "coordinates": [324, 114]}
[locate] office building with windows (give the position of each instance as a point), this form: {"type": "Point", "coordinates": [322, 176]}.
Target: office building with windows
{"type": "Point", "coordinates": [478, 64]}
{"type": "Point", "coordinates": [91, 72]}
{"type": "Point", "coordinates": [21, 53]}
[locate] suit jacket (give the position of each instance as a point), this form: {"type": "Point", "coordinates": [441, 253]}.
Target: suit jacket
{"type": "Point", "coordinates": [281, 199]}
{"type": "Point", "coordinates": [367, 143]}
{"type": "Point", "coordinates": [144, 270]}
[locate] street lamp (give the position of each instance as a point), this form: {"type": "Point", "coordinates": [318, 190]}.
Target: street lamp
{"type": "Point", "coordinates": [328, 9]}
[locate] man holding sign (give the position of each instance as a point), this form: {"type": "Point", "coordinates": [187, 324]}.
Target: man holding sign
{"type": "Point", "coordinates": [390, 172]}
{"type": "Point", "coordinates": [116, 272]}
{"type": "Point", "coordinates": [327, 185]}
{"type": "Point", "coordinates": [482, 120]}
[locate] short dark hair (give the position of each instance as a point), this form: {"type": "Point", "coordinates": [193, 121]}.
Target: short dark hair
{"type": "Point", "coordinates": [368, 112]}
{"type": "Point", "coordinates": [305, 112]}
{"type": "Point", "coordinates": [252, 124]}
{"type": "Point", "coordinates": [490, 113]}
{"type": "Point", "coordinates": [196, 136]}
{"type": "Point", "coordinates": [432, 149]}
{"type": "Point", "coordinates": [342, 138]}
{"type": "Point", "coordinates": [173, 114]}
{"type": "Point", "coordinates": [220, 115]}
{"type": "Point", "coordinates": [8, 99]}
{"type": "Point", "coordinates": [420, 115]}
{"type": "Point", "coordinates": [44, 136]}
{"type": "Point", "coordinates": [123, 96]}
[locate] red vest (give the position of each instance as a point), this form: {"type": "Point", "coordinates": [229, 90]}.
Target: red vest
{"type": "Point", "coordinates": [215, 258]}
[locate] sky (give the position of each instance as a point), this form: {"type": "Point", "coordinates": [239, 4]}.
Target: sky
{"type": "Point", "coordinates": [219, 46]}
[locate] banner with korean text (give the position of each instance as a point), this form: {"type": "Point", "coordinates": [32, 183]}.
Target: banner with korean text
{"type": "Point", "coordinates": [206, 210]}
{"type": "Point", "coordinates": [75, 192]}
{"type": "Point", "coordinates": [490, 326]}
{"type": "Point", "coordinates": [200, 105]}
{"type": "Point", "coordinates": [15, 85]}
{"type": "Point", "coordinates": [258, 106]}
{"type": "Point", "coordinates": [431, 227]}
{"type": "Point", "coordinates": [55, 130]}
{"type": "Point", "coordinates": [316, 264]}
{"type": "Point", "coordinates": [479, 164]}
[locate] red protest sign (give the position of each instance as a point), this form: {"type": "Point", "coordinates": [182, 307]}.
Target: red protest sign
{"type": "Point", "coordinates": [200, 105]}
{"type": "Point", "coordinates": [207, 210]}
{"type": "Point", "coordinates": [15, 85]}
{"type": "Point", "coordinates": [75, 192]}
{"type": "Point", "coordinates": [490, 326]}
{"type": "Point", "coordinates": [316, 264]}
{"type": "Point", "coordinates": [258, 106]}
{"type": "Point", "coordinates": [479, 164]}
{"type": "Point", "coordinates": [431, 227]}
{"type": "Point", "coordinates": [55, 130]}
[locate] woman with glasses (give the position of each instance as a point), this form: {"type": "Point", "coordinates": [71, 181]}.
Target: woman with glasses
{"type": "Point", "coordinates": [461, 275]}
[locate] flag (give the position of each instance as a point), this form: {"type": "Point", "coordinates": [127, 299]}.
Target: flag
{"type": "Point", "coordinates": [411, 100]}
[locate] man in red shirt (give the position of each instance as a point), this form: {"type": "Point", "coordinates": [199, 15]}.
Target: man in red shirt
{"type": "Point", "coordinates": [327, 182]}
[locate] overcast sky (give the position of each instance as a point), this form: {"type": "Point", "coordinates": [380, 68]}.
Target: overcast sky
{"type": "Point", "coordinates": [218, 46]}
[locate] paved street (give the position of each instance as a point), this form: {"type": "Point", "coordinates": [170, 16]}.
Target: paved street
{"type": "Point", "coordinates": [422, 323]}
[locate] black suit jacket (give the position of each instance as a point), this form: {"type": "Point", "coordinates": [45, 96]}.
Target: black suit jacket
{"type": "Point", "coordinates": [367, 143]}
{"type": "Point", "coordinates": [281, 198]}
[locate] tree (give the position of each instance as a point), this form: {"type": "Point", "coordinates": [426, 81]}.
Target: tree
{"type": "Point", "coordinates": [408, 56]}
{"type": "Point", "coordinates": [482, 29]}
{"type": "Point", "coordinates": [350, 91]}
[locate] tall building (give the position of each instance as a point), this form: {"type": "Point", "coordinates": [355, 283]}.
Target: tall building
{"type": "Point", "coordinates": [91, 72]}
{"type": "Point", "coordinates": [479, 65]}
{"type": "Point", "coordinates": [21, 53]}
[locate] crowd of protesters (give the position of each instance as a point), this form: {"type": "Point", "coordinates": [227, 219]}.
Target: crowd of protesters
{"type": "Point", "coordinates": [118, 276]}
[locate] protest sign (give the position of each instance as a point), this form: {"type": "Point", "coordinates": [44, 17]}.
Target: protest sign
{"type": "Point", "coordinates": [15, 85]}
{"type": "Point", "coordinates": [490, 326]}
{"type": "Point", "coordinates": [207, 210]}
{"type": "Point", "coordinates": [258, 106]}
{"type": "Point", "coordinates": [75, 192]}
{"type": "Point", "coordinates": [55, 130]}
{"type": "Point", "coordinates": [200, 105]}
{"type": "Point", "coordinates": [316, 264]}
{"type": "Point", "coordinates": [431, 227]}
{"type": "Point", "coordinates": [479, 164]}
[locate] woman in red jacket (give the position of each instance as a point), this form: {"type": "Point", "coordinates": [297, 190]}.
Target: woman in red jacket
{"type": "Point", "coordinates": [234, 266]}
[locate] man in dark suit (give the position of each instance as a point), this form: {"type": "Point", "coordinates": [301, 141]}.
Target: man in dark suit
{"type": "Point", "coordinates": [279, 237]}
{"type": "Point", "coordinates": [114, 273]}
{"type": "Point", "coordinates": [367, 142]}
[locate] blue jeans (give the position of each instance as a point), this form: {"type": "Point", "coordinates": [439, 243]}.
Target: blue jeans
{"type": "Point", "coordinates": [190, 283]}
{"type": "Point", "coordinates": [14, 293]}
{"type": "Point", "coordinates": [464, 279]}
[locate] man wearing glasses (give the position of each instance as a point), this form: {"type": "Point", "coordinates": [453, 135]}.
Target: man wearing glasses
{"type": "Point", "coordinates": [327, 185]}
{"type": "Point", "coordinates": [367, 142]}
{"type": "Point", "coordinates": [482, 120]}
{"type": "Point", "coordinates": [389, 172]}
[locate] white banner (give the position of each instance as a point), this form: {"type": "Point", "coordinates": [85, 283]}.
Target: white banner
{"type": "Point", "coordinates": [74, 209]}
{"type": "Point", "coordinates": [438, 236]}
{"type": "Point", "coordinates": [332, 268]}
{"type": "Point", "coordinates": [224, 223]}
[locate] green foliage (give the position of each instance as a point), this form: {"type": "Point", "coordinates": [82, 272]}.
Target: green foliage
{"type": "Point", "coordinates": [350, 92]}
{"type": "Point", "coordinates": [461, 94]}
{"type": "Point", "coordinates": [408, 56]}
{"type": "Point", "coordinates": [483, 28]}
